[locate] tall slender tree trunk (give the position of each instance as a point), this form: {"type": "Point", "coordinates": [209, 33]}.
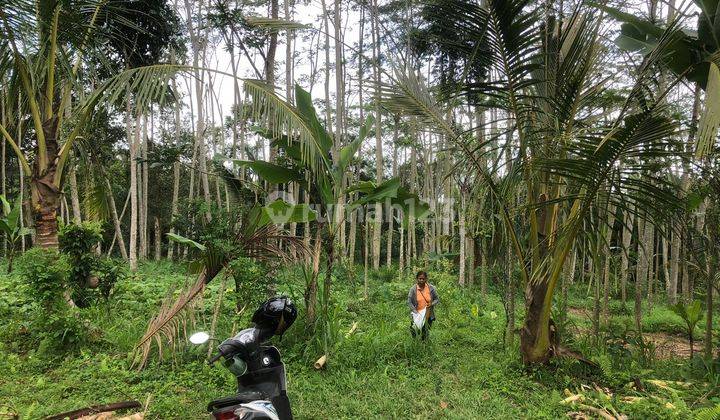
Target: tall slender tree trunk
{"type": "Point", "coordinates": [312, 287]}
{"type": "Point", "coordinates": [272, 45]}
{"type": "Point", "coordinates": [675, 243]}
{"type": "Point", "coordinates": [116, 221]}
{"type": "Point", "coordinates": [194, 158]}
{"type": "Point", "coordinates": [352, 236]}
{"type": "Point", "coordinates": [463, 262]}
{"type": "Point", "coordinates": [3, 176]}
{"type": "Point", "coordinates": [306, 230]}
{"type": "Point", "coordinates": [198, 48]}
{"type": "Point", "coordinates": [361, 104]}
{"type": "Point", "coordinates": [666, 263]}
{"type": "Point", "coordinates": [401, 247]}
{"type": "Point", "coordinates": [158, 240]}
{"type": "Point", "coordinates": [470, 251]}
{"type": "Point", "coordinates": [21, 176]}
{"type": "Point", "coordinates": [414, 187]}
{"type": "Point", "coordinates": [651, 266]}
{"type": "Point", "coordinates": [142, 192]}
{"type": "Point", "coordinates": [339, 114]}
{"type": "Point", "coordinates": [134, 195]}
{"type": "Point", "coordinates": [625, 256]}
{"type": "Point", "coordinates": [712, 262]}
{"type": "Point", "coordinates": [510, 299]}
{"type": "Point", "coordinates": [293, 187]}
{"type": "Point", "coordinates": [75, 197]}
{"type": "Point", "coordinates": [176, 164]}
{"type": "Point", "coordinates": [365, 258]}
{"type": "Point", "coordinates": [685, 273]}
{"type": "Point", "coordinates": [608, 258]}
{"type": "Point", "coordinates": [378, 135]}
{"type": "Point", "coordinates": [483, 268]}
{"type": "Point", "coordinates": [644, 250]}
{"type": "Point", "coordinates": [389, 211]}
{"type": "Point", "coordinates": [596, 275]}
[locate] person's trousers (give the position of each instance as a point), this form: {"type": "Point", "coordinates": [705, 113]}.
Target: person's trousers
{"type": "Point", "coordinates": [425, 329]}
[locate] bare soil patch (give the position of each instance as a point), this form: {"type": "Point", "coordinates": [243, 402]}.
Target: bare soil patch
{"type": "Point", "coordinates": [667, 346]}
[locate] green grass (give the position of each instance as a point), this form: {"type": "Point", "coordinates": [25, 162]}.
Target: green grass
{"type": "Point", "coordinates": [463, 371]}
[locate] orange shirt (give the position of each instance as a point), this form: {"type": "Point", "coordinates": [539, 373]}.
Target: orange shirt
{"type": "Point", "coordinates": [423, 297]}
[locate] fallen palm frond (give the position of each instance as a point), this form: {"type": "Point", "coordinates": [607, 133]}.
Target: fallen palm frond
{"type": "Point", "coordinates": [167, 323]}
{"type": "Point", "coordinates": [583, 402]}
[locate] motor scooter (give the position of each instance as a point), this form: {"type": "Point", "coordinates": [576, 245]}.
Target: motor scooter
{"type": "Point", "coordinates": [262, 384]}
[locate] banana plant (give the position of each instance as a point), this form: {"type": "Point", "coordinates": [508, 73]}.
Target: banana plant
{"type": "Point", "coordinates": [691, 314]}
{"type": "Point", "coordinates": [321, 168]}
{"type": "Point", "coordinates": [10, 225]}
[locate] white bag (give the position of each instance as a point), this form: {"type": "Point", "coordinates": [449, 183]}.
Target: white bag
{"type": "Point", "coordinates": [419, 319]}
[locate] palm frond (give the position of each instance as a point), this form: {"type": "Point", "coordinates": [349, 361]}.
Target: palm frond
{"type": "Point", "coordinates": [168, 323]}
{"type": "Point", "coordinates": [269, 242]}
{"type": "Point", "coordinates": [279, 118]}
{"type": "Point", "coordinates": [95, 199]}
{"type": "Point", "coordinates": [408, 94]}
{"type": "Point", "coordinates": [146, 85]}
{"type": "Point", "coordinates": [710, 120]}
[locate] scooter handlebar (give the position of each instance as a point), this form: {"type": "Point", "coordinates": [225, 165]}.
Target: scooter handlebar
{"type": "Point", "coordinates": [215, 358]}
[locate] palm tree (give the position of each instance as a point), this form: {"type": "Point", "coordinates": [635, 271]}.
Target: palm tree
{"type": "Point", "coordinates": [564, 159]}
{"type": "Point", "coordinates": [49, 50]}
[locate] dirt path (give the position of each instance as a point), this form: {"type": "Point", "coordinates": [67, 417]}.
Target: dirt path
{"type": "Point", "coordinates": [667, 346]}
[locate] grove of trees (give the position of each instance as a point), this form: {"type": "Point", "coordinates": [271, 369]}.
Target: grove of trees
{"type": "Point", "coordinates": [541, 149]}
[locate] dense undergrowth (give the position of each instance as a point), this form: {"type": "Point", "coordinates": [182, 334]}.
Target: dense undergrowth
{"type": "Point", "coordinates": [377, 371]}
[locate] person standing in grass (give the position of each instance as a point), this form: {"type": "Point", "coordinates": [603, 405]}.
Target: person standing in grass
{"type": "Point", "coordinates": [422, 295]}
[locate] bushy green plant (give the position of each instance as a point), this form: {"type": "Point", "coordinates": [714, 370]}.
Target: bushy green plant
{"type": "Point", "coordinates": [45, 272]}
{"type": "Point", "coordinates": [55, 326]}
{"type": "Point", "coordinates": [77, 241]}
{"type": "Point", "coordinates": [91, 276]}
{"type": "Point", "coordinates": [251, 281]}
{"type": "Point", "coordinates": [109, 272]}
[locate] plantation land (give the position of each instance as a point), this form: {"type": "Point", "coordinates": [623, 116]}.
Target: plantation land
{"type": "Point", "coordinates": [378, 371]}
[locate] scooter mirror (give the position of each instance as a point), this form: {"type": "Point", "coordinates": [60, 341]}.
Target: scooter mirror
{"type": "Point", "coordinates": [200, 337]}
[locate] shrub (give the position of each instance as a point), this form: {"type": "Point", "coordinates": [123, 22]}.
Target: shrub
{"type": "Point", "coordinates": [252, 282]}
{"type": "Point", "coordinates": [77, 241]}
{"type": "Point", "coordinates": [54, 325]}
{"type": "Point", "coordinates": [91, 276]}
{"type": "Point", "coordinates": [45, 272]}
{"type": "Point", "coordinates": [109, 272]}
